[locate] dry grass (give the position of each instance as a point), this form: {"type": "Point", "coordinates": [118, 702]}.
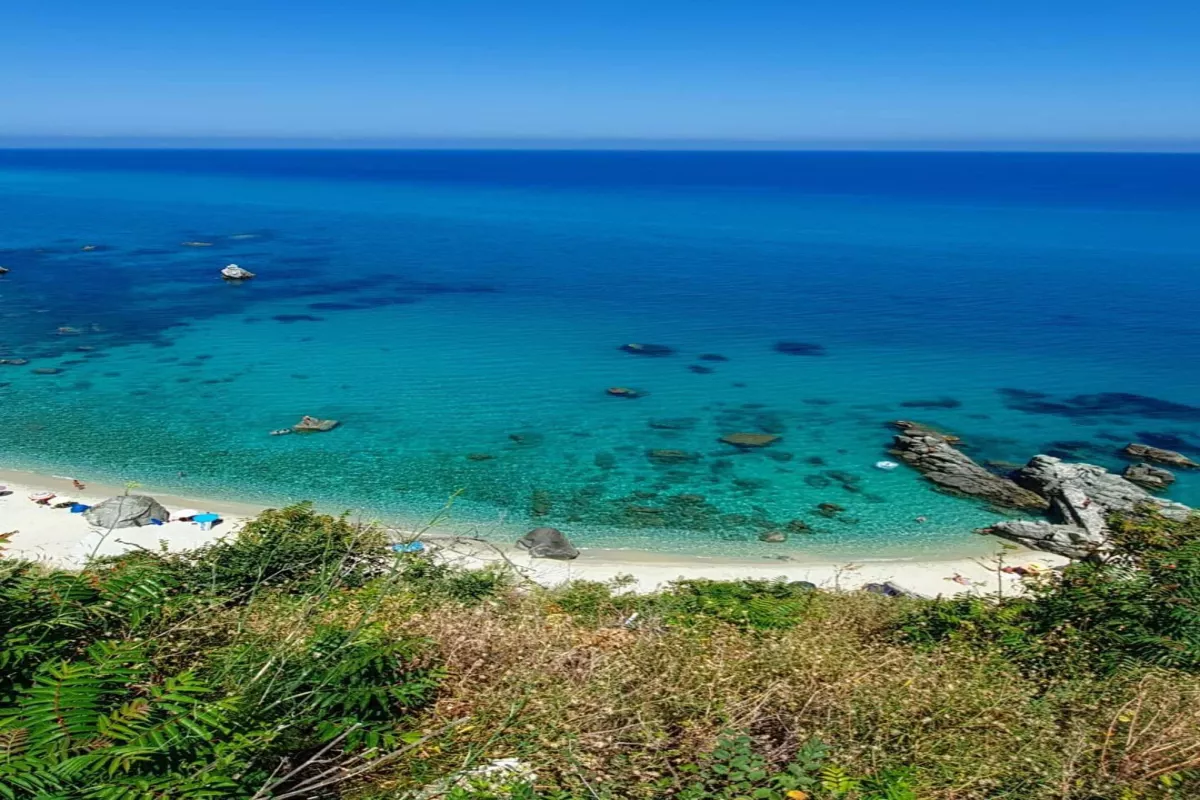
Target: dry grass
{"type": "Point", "coordinates": [624, 707]}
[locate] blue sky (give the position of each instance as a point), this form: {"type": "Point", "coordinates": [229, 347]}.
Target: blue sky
{"type": "Point", "coordinates": [901, 71]}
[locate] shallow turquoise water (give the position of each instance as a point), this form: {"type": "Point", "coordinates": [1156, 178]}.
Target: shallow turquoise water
{"type": "Point", "coordinates": [438, 317]}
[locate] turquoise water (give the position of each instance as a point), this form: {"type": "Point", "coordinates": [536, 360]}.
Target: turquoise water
{"type": "Point", "coordinates": [440, 305]}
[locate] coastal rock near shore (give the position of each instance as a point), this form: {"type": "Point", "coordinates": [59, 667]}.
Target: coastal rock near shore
{"type": "Point", "coordinates": [1081, 496]}
{"type": "Point", "coordinates": [1148, 477]}
{"type": "Point", "coordinates": [1144, 452]}
{"type": "Point", "coordinates": [4, 270]}
{"type": "Point", "coordinates": [932, 453]}
{"type": "Point", "coordinates": [126, 511]}
{"type": "Point", "coordinates": [548, 543]}
{"type": "Point", "coordinates": [233, 272]}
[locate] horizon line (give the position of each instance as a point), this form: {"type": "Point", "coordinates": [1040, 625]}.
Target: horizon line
{"type": "Point", "coordinates": [1182, 145]}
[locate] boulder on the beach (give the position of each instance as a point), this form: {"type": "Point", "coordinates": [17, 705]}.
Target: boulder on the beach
{"type": "Point", "coordinates": [233, 272]}
{"type": "Point", "coordinates": [1149, 477]}
{"type": "Point", "coordinates": [932, 453]}
{"type": "Point", "coordinates": [1144, 452]}
{"type": "Point", "coordinates": [750, 440]}
{"type": "Point", "coordinates": [126, 511]}
{"type": "Point", "coordinates": [639, 349]}
{"type": "Point", "coordinates": [309, 424]}
{"type": "Point", "coordinates": [548, 543]}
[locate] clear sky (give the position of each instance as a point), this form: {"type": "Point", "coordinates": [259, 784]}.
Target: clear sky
{"type": "Point", "coordinates": [833, 71]}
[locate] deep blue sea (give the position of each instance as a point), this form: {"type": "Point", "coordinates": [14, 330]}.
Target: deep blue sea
{"type": "Point", "coordinates": [461, 314]}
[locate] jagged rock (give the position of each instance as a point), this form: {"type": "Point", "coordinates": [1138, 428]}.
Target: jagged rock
{"type": "Point", "coordinates": [309, 424]}
{"type": "Point", "coordinates": [1082, 496]}
{"type": "Point", "coordinates": [548, 543]}
{"type": "Point", "coordinates": [1149, 477]}
{"type": "Point", "coordinates": [772, 537]}
{"type": "Point", "coordinates": [932, 453]}
{"type": "Point", "coordinates": [1144, 452]}
{"type": "Point", "coordinates": [235, 273]}
{"type": "Point", "coordinates": [1052, 477]}
{"type": "Point", "coordinates": [126, 511]}
{"type": "Point", "coordinates": [748, 440]}
{"type": "Point", "coordinates": [639, 349]}
{"type": "Point", "coordinates": [890, 589]}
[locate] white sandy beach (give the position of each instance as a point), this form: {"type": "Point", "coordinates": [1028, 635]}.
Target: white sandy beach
{"type": "Point", "coordinates": [55, 536]}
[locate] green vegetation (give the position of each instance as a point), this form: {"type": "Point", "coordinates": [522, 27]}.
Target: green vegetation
{"type": "Point", "coordinates": [303, 658]}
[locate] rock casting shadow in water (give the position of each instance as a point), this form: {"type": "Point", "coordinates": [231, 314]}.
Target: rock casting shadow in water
{"type": "Point", "coordinates": [799, 348]}
{"type": "Point", "coordinates": [1107, 404]}
{"type": "Point", "coordinates": [711, 357]}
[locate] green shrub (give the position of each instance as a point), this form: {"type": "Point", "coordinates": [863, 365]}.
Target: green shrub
{"type": "Point", "coordinates": [1139, 606]}
{"type": "Point", "coordinates": [755, 604]}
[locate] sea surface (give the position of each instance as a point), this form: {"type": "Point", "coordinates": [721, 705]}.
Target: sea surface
{"type": "Point", "coordinates": [461, 314]}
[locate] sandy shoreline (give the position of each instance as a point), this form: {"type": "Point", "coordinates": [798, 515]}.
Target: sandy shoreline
{"type": "Point", "coordinates": [58, 537]}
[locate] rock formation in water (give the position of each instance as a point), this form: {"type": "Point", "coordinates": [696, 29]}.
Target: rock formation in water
{"type": "Point", "coordinates": [933, 454]}
{"type": "Point", "coordinates": [309, 424]}
{"type": "Point", "coordinates": [233, 272]}
{"type": "Point", "coordinates": [625, 392]}
{"type": "Point", "coordinates": [1149, 477]}
{"type": "Point", "coordinates": [1081, 496]}
{"type": "Point", "coordinates": [639, 349]}
{"type": "Point", "coordinates": [1144, 452]}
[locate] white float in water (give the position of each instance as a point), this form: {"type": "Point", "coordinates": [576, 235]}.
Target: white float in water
{"type": "Point", "coordinates": [886, 465]}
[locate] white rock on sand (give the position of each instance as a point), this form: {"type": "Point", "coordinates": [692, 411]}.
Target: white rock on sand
{"type": "Point", "coordinates": [58, 537]}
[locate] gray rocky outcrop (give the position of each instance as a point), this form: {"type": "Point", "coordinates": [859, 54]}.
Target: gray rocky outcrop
{"type": "Point", "coordinates": [548, 543]}
{"type": "Point", "coordinates": [309, 424]}
{"type": "Point", "coordinates": [933, 454]}
{"type": "Point", "coordinates": [235, 273]}
{"type": "Point", "coordinates": [126, 511]}
{"type": "Point", "coordinates": [1148, 476]}
{"type": "Point", "coordinates": [1082, 496]}
{"type": "Point", "coordinates": [1144, 452]}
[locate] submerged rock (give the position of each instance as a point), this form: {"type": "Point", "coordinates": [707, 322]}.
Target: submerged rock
{"type": "Point", "coordinates": [309, 424]}
{"type": "Point", "coordinates": [829, 510]}
{"type": "Point", "coordinates": [699, 370]}
{"type": "Point", "coordinates": [799, 348]}
{"type": "Point", "coordinates": [1149, 477]}
{"type": "Point", "coordinates": [480, 456]}
{"type": "Point", "coordinates": [47, 371]}
{"type": "Point", "coordinates": [548, 543]}
{"type": "Point", "coordinates": [711, 357]}
{"type": "Point", "coordinates": [666, 456]}
{"type": "Point", "coordinates": [772, 537]}
{"type": "Point", "coordinates": [13, 362]}
{"type": "Point", "coordinates": [639, 349]}
{"type": "Point", "coordinates": [933, 454]}
{"type": "Point", "coordinates": [673, 423]}
{"type": "Point", "coordinates": [1144, 452]}
{"type": "Point", "coordinates": [750, 440]}
{"type": "Point", "coordinates": [625, 392]}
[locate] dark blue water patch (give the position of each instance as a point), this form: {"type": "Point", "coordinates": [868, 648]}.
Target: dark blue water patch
{"type": "Point", "coordinates": [288, 319]}
{"type": "Point", "coordinates": [799, 348]}
{"type": "Point", "coordinates": [363, 304]}
{"type": "Point", "coordinates": [1103, 404]}
{"type": "Point", "coordinates": [1182, 441]}
{"type": "Point", "coordinates": [699, 370]}
{"type": "Point", "coordinates": [1120, 180]}
{"type": "Point", "coordinates": [940, 402]}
